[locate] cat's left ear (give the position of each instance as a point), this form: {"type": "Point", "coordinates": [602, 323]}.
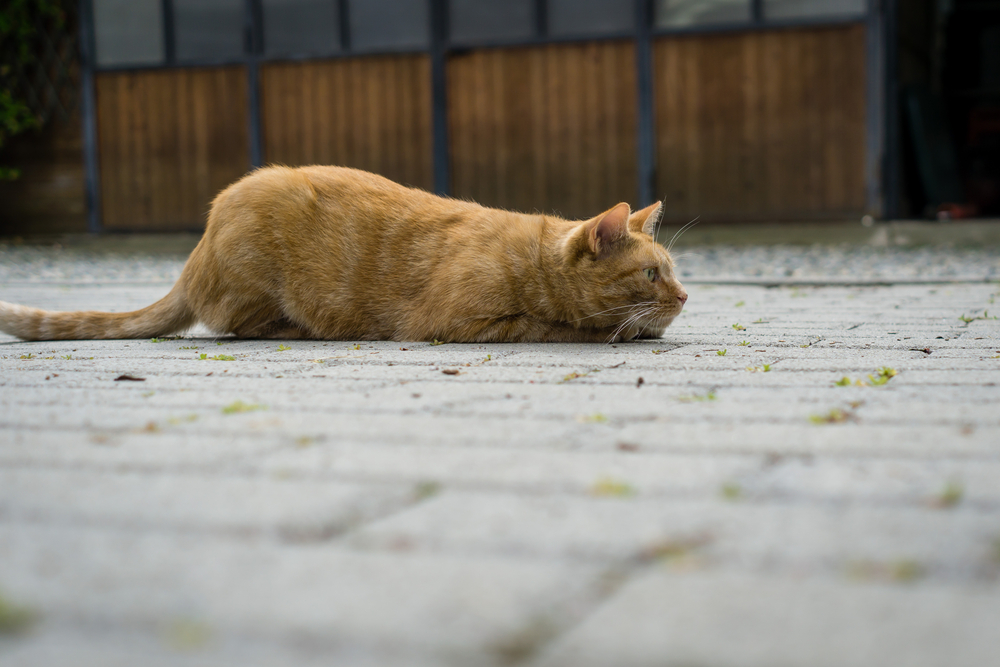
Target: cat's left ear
{"type": "Point", "coordinates": [644, 221]}
{"type": "Point", "coordinates": [607, 228]}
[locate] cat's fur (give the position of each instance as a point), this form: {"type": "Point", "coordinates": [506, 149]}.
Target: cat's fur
{"type": "Point", "coordinates": [341, 254]}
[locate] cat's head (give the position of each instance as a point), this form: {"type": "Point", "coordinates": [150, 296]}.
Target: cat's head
{"type": "Point", "coordinates": [623, 277]}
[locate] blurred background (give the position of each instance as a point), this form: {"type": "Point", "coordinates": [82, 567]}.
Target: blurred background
{"type": "Point", "coordinates": [130, 115]}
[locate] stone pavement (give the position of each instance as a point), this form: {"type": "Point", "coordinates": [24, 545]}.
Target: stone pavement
{"type": "Point", "coordinates": [712, 498]}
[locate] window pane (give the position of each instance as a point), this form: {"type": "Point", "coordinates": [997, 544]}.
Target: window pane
{"type": "Point", "coordinates": [301, 27]}
{"type": "Point", "coordinates": [590, 17]}
{"type": "Point", "coordinates": [389, 24]}
{"type": "Point", "coordinates": [490, 20]}
{"type": "Point", "coordinates": [678, 13]}
{"type": "Point", "coordinates": [783, 9]}
{"type": "Point", "coordinates": [208, 29]}
{"type": "Point", "coordinates": [128, 32]}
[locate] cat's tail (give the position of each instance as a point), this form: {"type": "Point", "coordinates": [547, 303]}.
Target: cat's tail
{"type": "Point", "coordinates": [168, 315]}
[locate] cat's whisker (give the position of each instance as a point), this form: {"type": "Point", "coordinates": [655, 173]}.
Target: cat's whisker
{"type": "Point", "coordinates": [616, 308]}
{"type": "Point", "coordinates": [681, 231]}
{"type": "Point", "coordinates": [614, 334]}
{"type": "Point", "coordinates": [620, 310]}
{"type": "Point", "coordinates": [637, 317]}
{"type": "Point", "coordinates": [634, 317]}
{"type": "Point", "coordinates": [625, 325]}
{"type": "Point", "coordinates": [685, 255]}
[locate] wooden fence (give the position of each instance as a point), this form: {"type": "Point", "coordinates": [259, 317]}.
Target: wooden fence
{"type": "Point", "coordinates": [169, 141]}
{"type": "Point", "coordinates": [762, 125]}
{"type": "Point", "coordinates": [765, 124]}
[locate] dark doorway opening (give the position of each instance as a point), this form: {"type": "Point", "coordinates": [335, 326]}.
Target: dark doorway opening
{"type": "Point", "coordinates": [949, 108]}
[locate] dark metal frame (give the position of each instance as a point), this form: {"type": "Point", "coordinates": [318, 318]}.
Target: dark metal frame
{"type": "Point", "coordinates": [88, 114]}
{"type": "Point", "coordinates": [879, 18]}
{"type": "Point", "coordinates": [890, 167]}
{"type": "Point", "coordinates": [253, 46]}
{"type": "Point", "coordinates": [645, 125]}
{"type": "Point", "coordinates": [877, 54]}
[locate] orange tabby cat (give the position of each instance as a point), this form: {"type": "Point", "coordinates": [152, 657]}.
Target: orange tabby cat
{"type": "Point", "coordinates": [341, 254]}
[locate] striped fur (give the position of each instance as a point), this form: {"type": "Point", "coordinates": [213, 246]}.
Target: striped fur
{"type": "Point", "coordinates": [168, 315]}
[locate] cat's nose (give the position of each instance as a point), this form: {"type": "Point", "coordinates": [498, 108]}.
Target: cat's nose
{"type": "Point", "coordinates": [682, 296]}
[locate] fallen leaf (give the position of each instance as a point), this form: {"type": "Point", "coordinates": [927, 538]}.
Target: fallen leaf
{"type": "Point", "coordinates": [128, 378]}
{"type": "Point", "coordinates": [611, 487]}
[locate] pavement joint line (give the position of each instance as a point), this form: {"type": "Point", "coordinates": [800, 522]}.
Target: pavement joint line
{"type": "Point", "coordinates": [939, 571]}
{"type": "Point", "coordinates": [610, 420]}
{"type": "Point", "coordinates": [649, 450]}
{"type": "Point", "coordinates": [708, 494]}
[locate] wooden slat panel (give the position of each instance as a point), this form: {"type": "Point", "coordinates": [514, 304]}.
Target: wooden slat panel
{"type": "Point", "coordinates": [372, 113]}
{"type": "Point", "coordinates": [169, 141]}
{"type": "Point", "coordinates": [548, 128]}
{"type": "Point", "coordinates": [763, 125]}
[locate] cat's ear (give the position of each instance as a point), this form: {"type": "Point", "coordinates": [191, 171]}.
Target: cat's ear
{"type": "Point", "coordinates": [607, 228]}
{"type": "Point", "coordinates": [644, 221]}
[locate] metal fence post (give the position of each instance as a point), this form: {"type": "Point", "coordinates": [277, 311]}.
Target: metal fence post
{"type": "Point", "coordinates": [439, 96]}
{"type": "Point", "coordinates": [169, 37]}
{"type": "Point", "coordinates": [888, 167]}
{"type": "Point", "coordinates": [254, 47]}
{"type": "Point", "coordinates": [645, 137]}
{"type": "Point", "coordinates": [88, 114]}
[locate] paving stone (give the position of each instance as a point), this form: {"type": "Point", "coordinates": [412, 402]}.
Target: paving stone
{"type": "Point", "coordinates": [796, 535]}
{"type": "Point", "coordinates": [453, 606]}
{"type": "Point", "coordinates": [682, 618]}
{"type": "Point", "coordinates": [294, 510]}
{"type": "Point", "coordinates": [525, 469]}
{"type": "Point", "coordinates": [192, 643]}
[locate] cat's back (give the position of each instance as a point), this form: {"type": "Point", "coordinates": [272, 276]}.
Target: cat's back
{"type": "Point", "coordinates": [278, 191]}
{"type": "Point", "coordinates": [306, 197]}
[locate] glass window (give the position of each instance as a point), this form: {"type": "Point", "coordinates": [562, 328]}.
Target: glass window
{"type": "Point", "coordinates": [389, 24]}
{"type": "Point", "coordinates": [491, 20]}
{"type": "Point", "coordinates": [786, 9]}
{"type": "Point", "coordinates": [590, 17]}
{"type": "Point", "coordinates": [128, 32]}
{"type": "Point", "coordinates": [294, 27]}
{"type": "Point", "coordinates": [208, 29]}
{"type": "Point", "coordinates": [680, 13]}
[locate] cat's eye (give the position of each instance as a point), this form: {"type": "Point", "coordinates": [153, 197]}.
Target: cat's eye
{"type": "Point", "coordinates": [651, 274]}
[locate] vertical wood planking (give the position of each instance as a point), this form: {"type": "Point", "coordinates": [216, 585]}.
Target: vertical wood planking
{"type": "Point", "coordinates": [547, 128]}
{"type": "Point", "coordinates": [371, 113]}
{"type": "Point", "coordinates": [169, 141]}
{"type": "Point", "coordinates": [761, 125]}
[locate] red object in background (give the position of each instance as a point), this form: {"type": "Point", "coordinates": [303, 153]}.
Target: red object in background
{"type": "Point", "coordinates": [983, 121]}
{"type": "Point", "coordinates": [957, 211]}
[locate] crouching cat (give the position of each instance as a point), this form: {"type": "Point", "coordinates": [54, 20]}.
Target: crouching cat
{"type": "Point", "coordinates": [340, 254]}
